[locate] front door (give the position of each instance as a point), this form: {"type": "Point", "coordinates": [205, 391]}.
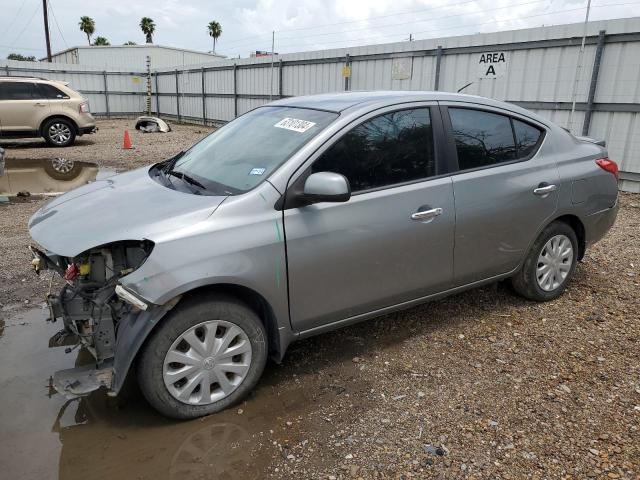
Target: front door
{"type": "Point", "coordinates": [21, 111]}
{"type": "Point", "coordinates": [392, 241]}
{"type": "Point", "coordinates": [505, 191]}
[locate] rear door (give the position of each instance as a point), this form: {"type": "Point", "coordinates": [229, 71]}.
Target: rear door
{"type": "Point", "coordinates": [505, 188]}
{"type": "Point", "coordinates": [393, 240]}
{"type": "Point", "coordinates": [21, 108]}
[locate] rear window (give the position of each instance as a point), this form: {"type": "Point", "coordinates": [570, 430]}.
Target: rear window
{"type": "Point", "coordinates": [482, 138]}
{"type": "Point", "coordinates": [16, 90]}
{"type": "Point", "coordinates": [50, 92]}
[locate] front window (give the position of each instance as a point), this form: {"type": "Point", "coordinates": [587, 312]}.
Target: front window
{"type": "Point", "coordinates": [238, 156]}
{"type": "Point", "coordinates": [390, 149]}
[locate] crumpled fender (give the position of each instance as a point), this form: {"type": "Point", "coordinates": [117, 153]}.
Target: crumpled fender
{"type": "Point", "coordinates": [132, 332]}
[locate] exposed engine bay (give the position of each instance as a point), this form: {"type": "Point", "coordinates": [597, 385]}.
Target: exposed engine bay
{"type": "Point", "coordinates": [92, 306]}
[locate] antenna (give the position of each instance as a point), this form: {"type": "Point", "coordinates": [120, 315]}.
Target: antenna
{"type": "Point", "coordinates": [460, 89]}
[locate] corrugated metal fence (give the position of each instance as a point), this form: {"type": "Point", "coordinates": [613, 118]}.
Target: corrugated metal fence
{"type": "Point", "coordinates": [539, 73]}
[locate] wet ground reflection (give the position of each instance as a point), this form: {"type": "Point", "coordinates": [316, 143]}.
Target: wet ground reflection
{"type": "Point", "coordinates": [46, 436]}
{"type": "Point", "coordinates": [45, 175]}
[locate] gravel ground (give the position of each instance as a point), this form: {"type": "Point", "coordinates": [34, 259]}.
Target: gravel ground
{"type": "Point", "coordinates": [479, 385]}
{"type": "Point", "coordinates": [105, 146]}
{"type": "Point", "coordinates": [485, 384]}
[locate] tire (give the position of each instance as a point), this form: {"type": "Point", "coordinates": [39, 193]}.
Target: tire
{"type": "Point", "coordinates": [59, 132]}
{"type": "Point", "coordinates": [530, 281]}
{"type": "Point", "coordinates": [62, 169]}
{"type": "Point", "coordinates": [197, 315]}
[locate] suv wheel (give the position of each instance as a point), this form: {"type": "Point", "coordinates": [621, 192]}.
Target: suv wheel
{"type": "Point", "coordinates": [59, 132]}
{"type": "Point", "coordinates": [204, 357]}
{"type": "Point", "coordinates": [62, 168]}
{"type": "Point", "coordinates": [549, 265]}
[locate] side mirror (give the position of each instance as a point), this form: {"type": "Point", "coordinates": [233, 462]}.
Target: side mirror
{"type": "Point", "coordinates": [326, 187]}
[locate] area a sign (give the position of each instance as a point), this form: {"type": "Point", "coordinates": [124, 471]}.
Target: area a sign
{"type": "Point", "coordinates": [492, 64]}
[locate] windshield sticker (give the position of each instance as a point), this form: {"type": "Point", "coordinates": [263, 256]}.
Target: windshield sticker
{"type": "Point", "coordinates": [294, 124]}
{"type": "Point", "coordinates": [257, 171]}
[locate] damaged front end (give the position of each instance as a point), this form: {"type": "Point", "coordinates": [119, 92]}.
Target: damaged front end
{"type": "Point", "coordinates": [94, 309]}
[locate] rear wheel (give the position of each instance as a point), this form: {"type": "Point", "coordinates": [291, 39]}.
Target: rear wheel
{"type": "Point", "coordinates": [62, 168]}
{"type": "Point", "coordinates": [206, 356]}
{"type": "Point", "coordinates": [59, 132]}
{"type": "Point", "coordinates": [549, 265]}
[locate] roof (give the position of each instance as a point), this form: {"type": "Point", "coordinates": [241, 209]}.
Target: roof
{"type": "Point", "coordinates": [144, 45]}
{"type": "Point", "coordinates": [338, 102]}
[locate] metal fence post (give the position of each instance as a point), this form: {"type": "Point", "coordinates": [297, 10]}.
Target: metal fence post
{"type": "Point", "coordinates": [106, 93]}
{"type": "Point", "coordinates": [586, 124]}
{"type": "Point", "coordinates": [280, 89]}
{"type": "Point", "coordinates": [157, 96]}
{"type": "Point", "coordinates": [204, 101]}
{"type": "Point", "coordinates": [6, 67]}
{"type": "Point", "coordinates": [436, 81]}
{"type": "Point", "coordinates": [235, 90]}
{"type": "Point", "coordinates": [177, 97]}
{"type": "Point", "coordinates": [347, 64]}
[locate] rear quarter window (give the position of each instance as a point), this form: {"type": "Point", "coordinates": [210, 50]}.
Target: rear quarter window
{"type": "Point", "coordinates": [50, 92]}
{"type": "Point", "coordinates": [528, 139]}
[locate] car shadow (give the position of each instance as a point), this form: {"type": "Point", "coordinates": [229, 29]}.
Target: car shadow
{"type": "Point", "coordinates": [13, 144]}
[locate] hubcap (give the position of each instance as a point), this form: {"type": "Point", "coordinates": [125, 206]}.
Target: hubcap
{"type": "Point", "coordinates": [62, 165]}
{"type": "Point", "coordinates": [554, 263]}
{"type": "Point", "coordinates": [59, 133]}
{"type": "Point", "coordinates": [207, 362]}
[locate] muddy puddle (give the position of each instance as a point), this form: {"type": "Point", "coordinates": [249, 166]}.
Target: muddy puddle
{"type": "Point", "coordinates": [47, 176]}
{"type": "Point", "coordinates": [98, 437]}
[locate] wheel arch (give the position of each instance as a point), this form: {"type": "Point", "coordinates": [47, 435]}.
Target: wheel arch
{"type": "Point", "coordinates": [52, 117]}
{"type": "Point", "coordinates": [138, 330]}
{"type": "Point", "coordinates": [254, 300]}
{"type": "Point", "coordinates": [578, 227]}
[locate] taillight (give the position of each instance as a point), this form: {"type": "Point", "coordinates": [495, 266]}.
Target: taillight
{"type": "Point", "coordinates": [84, 107]}
{"type": "Point", "coordinates": [608, 165]}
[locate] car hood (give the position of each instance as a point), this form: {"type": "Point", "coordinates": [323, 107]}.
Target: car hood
{"type": "Point", "coordinates": [129, 206]}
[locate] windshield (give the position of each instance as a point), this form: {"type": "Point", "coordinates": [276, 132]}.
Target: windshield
{"type": "Point", "coordinates": [238, 156]}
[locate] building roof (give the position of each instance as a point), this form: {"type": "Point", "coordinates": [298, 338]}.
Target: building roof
{"type": "Point", "coordinates": [144, 45]}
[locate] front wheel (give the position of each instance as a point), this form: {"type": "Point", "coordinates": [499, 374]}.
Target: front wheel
{"type": "Point", "coordinates": [549, 265]}
{"type": "Point", "coordinates": [205, 356]}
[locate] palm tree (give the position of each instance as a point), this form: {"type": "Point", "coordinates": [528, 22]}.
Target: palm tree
{"type": "Point", "coordinates": [88, 26]}
{"type": "Point", "coordinates": [215, 30]}
{"type": "Point", "coordinates": [148, 27]}
{"type": "Point", "coordinates": [101, 42]}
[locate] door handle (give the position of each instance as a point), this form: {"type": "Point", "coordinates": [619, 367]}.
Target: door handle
{"type": "Point", "coordinates": [39, 104]}
{"type": "Point", "coordinates": [427, 214]}
{"type": "Point", "coordinates": [544, 189]}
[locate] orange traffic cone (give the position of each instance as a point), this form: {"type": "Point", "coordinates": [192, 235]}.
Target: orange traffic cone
{"type": "Point", "coordinates": [126, 144]}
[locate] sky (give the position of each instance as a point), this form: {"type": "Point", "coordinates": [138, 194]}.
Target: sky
{"type": "Point", "coordinates": [299, 25]}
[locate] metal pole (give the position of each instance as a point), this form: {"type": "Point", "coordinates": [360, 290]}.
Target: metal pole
{"type": "Point", "coordinates": [6, 67]}
{"type": "Point", "coordinates": [204, 101]}
{"type": "Point", "coordinates": [177, 97]}
{"type": "Point", "coordinates": [157, 96]}
{"type": "Point", "coordinates": [46, 29]}
{"type": "Point", "coordinates": [273, 41]}
{"type": "Point", "coordinates": [148, 85]}
{"type": "Point", "coordinates": [280, 89]}
{"type": "Point", "coordinates": [235, 91]}
{"type": "Point", "coordinates": [347, 63]}
{"type": "Point", "coordinates": [106, 93]}
{"type": "Point", "coordinates": [436, 81]}
{"type": "Point", "coordinates": [594, 83]}
{"type": "Point", "coordinates": [578, 67]}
